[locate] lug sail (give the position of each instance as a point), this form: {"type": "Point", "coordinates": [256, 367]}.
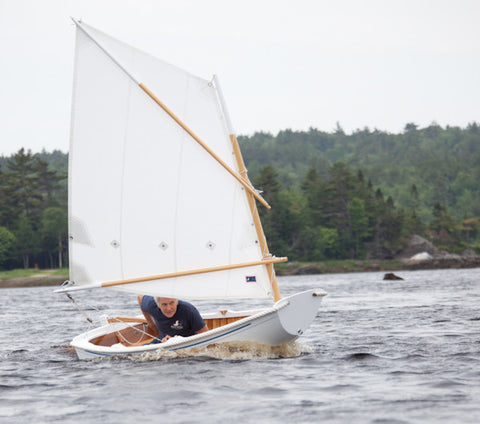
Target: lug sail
{"type": "Point", "coordinates": [144, 198]}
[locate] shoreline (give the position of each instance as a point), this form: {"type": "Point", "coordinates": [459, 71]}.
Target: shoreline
{"type": "Point", "coordinates": [350, 266]}
{"type": "Point", "coordinates": [40, 279]}
{"type": "Point", "coordinates": [48, 278]}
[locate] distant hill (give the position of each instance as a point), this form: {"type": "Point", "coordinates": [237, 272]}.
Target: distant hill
{"type": "Point", "coordinates": [333, 195]}
{"type": "Point", "coordinates": [442, 163]}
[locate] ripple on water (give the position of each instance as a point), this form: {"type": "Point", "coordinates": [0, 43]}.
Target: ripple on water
{"type": "Point", "coordinates": [360, 356]}
{"type": "Point", "coordinates": [397, 354]}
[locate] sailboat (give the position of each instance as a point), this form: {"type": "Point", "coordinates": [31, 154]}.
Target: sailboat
{"type": "Point", "coordinates": [160, 204]}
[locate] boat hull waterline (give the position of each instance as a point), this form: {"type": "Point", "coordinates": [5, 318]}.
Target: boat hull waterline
{"type": "Point", "coordinates": [284, 322]}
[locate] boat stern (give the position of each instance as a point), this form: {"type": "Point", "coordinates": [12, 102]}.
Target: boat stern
{"type": "Point", "coordinates": [298, 311]}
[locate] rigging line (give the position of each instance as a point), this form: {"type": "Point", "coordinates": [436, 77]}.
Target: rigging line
{"type": "Point", "coordinates": [132, 326]}
{"type": "Point", "coordinates": [79, 308]}
{"type": "Point", "coordinates": [112, 318]}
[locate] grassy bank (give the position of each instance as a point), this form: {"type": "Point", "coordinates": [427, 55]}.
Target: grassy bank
{"type": "Point", "coordinates": [32, 277]}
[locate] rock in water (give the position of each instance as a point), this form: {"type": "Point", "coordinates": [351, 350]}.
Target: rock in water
{"type": "Point", "coordinates": [391, 276]}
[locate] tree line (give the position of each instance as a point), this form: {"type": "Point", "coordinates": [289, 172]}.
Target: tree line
{"type": "Point", "coordinates": [343, 216]}
{"type": "Point", "coordinates": [33, 210]}
{"type": "Point", "coordinates": [333, 195]}
{"type": "Point", "coordinates": [442, 163]}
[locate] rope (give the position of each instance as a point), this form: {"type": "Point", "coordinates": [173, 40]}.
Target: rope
{"type": "Point", "coordinates": [78, 307]}
{"type": "Point", "coordinates": [132, 326]}
{"type": "Point", "coordinates": [111, 318]}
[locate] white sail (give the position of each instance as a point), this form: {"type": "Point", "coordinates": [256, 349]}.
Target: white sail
{"type": "Point", "coordinates": [144, 198]}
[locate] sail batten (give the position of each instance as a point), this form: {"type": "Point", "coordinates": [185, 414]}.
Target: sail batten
{"type": "Point", "coordinates": [142, 197]}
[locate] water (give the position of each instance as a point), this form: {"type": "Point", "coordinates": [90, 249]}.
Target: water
{"type": "Point", "coordinates": [378, 352]}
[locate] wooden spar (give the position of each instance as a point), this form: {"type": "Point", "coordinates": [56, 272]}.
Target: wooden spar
{"type": "Point", "coordinates": [246, 184]}
{"type": "Point", "coordinates": [242, 178]}
{"type": "Point", "coordinates": [256, 219]}
{"type": "Point", "coordinates": [267, 261]}
{"type": "Point", "coordinates": [251, 201]}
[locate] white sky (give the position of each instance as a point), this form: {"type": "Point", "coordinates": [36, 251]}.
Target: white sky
{"type": "Point", "coordinates": [282, 64]}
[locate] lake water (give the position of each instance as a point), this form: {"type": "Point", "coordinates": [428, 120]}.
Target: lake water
{"type": "Point", "coordinates": [378, 352]}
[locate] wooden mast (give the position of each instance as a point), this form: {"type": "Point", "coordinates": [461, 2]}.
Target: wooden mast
{"type": "Point", "coordinates": [256, 220]}
{"type": "Point", "coordinates": [251, 193]}
{"type": "Point", "coordinates": [251, 201]}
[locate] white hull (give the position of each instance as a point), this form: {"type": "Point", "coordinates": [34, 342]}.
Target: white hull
{"type": "Point", "coordinates": [284, 322]}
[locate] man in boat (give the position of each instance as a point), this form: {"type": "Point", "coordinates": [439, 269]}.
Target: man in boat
{"type": "Point", "coordinates": [167, 317]}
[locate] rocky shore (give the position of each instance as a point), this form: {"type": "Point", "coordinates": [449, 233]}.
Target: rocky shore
{"type": "Point", "coordinates": [380, 265]}
{"type": "Point", "coordinates": [419, 254]}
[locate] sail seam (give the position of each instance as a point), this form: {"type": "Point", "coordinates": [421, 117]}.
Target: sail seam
{"type": "Point", "coordinates": [122, 191]}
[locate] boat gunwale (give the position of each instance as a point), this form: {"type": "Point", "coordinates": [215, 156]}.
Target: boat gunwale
{"type": "Point", "coordinates": [178, 342]}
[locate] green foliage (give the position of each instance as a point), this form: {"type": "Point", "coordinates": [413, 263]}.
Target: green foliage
{"type": "Point", "coordinates": [7, 241]}
{"type": "Point", "coordinates": [342, 216]}
{"type": "Point", "coordinates": [442, 163]}
{"type": "Point", "coordinates": [54, 228]}
{"type": "Point", "coordinates": [333, 195]}
{"type": "Point", "coordinates": [339, 217]}
{"type": "Point", "coordinates": [33, 207]}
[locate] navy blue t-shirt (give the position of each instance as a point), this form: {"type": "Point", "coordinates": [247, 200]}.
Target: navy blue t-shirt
{"type": "Point", "coordinates": [186, 321]}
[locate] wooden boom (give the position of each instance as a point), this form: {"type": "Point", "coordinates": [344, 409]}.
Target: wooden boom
{"type": "Point", "coordinates": [192, 272]}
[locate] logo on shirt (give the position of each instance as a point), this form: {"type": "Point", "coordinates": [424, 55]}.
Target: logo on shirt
{"type": "Point", "coordinates": [177, 325]}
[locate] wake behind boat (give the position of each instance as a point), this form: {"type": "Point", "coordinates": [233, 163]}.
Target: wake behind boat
{"type": "Point", "coordinates": [160, 203]}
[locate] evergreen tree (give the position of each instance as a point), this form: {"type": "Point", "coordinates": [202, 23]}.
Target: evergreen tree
{"type": "Point", "coordinates": [443, 228]}
{"type": "Point", "coordinates": [26, 240]}
{"type": "Point", "coordinates": [338, 195]}
{"type": "Point", "coordinates": [268, 183]}
{"type": "Point", "coordinates": [25, 196]}
{"type": "Point", "coordinates": [359, 226]}
{"type": "Point", "coordinates": [53, 233]}
{"type": "Point", "coordinates": [48, 182]}
{"type": "Point", "coordinates": [7, 241]}
{"type": "Point", "coordinates": [313, 189]}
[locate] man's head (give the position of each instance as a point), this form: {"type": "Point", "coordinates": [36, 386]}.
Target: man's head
{"type": "Point", "coordinates": [167, 305]}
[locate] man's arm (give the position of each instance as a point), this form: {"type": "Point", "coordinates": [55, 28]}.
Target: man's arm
{"type": "Point", "coordinates": [202, 330]}
{"type": "Point", "coordinates": [152, 328]}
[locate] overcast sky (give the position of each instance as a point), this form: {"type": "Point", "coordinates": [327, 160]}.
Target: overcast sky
{"type": "Point", "coordinates": [282, 64]}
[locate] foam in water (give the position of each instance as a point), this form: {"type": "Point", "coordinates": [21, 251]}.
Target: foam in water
{"type": "Point", "coordinates": [230, 351]}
